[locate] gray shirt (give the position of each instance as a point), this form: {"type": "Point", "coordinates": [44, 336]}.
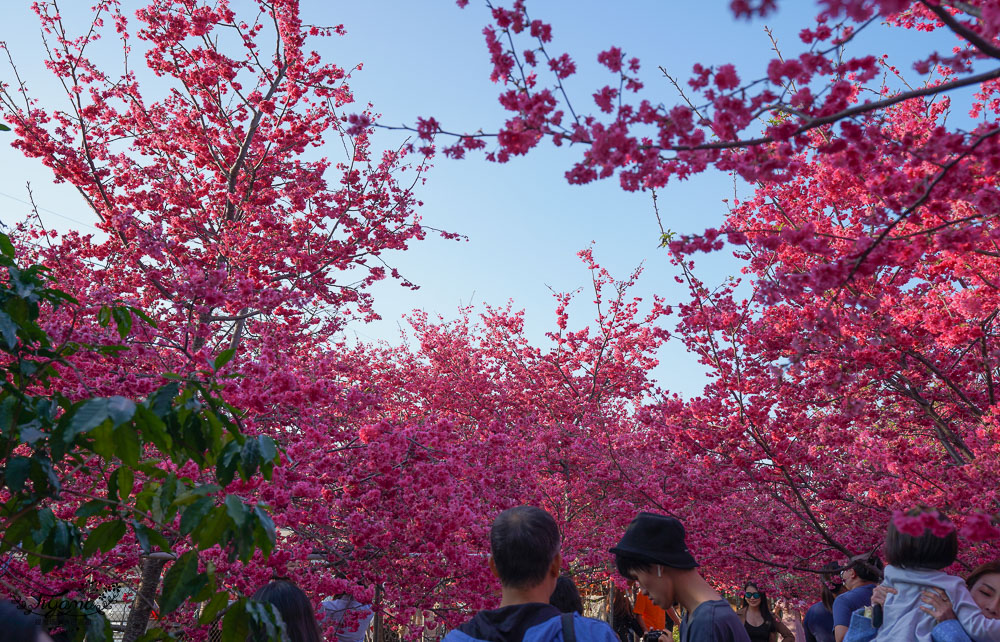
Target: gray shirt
{"type": "Point", "coordinates": [713, 621]}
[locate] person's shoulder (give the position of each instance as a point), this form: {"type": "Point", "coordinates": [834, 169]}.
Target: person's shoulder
{"type": "Point", "coordinates": [859, 593]}
{"type": "Point", "coordinates": [949, 631]}
{"type": "Point", "coordinates": [585, 628]}
{"type": "Point", "coordinates": [817, 610]}
{"type": "Point", "coordinates": [592, 629]}
{"type": "Point", "coordinates": [458, 635]}
{"type": "Point", "coordinates": [717, 619]}
{"type": "Point", "coordinates": [715, 612]}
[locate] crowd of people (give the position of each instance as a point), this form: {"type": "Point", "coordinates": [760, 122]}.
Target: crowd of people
{"type": "Point", "coordinates": [910, 598]}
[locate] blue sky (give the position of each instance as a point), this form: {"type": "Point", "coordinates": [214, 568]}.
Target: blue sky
{"type": "Point", "coordinates": [523, 222]}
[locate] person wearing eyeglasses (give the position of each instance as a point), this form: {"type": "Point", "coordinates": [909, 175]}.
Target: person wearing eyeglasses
{"type": "Point", "coordinates": [861, 574]}
{"type": "Point", "coordinates": [758, 620]}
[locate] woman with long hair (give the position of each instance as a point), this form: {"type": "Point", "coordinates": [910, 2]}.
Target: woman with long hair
{"type": "Point", "coordinates": [757, 618]}
{"type": "Point", "coordinates": [818, 623]}
{"type": "Point", "coordinates": [295, 608]}
{"type": "Point", "coordinates": [623, 619]}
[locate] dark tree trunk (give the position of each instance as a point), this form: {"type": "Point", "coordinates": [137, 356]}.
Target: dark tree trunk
{"type": "Point", "coordinates": [138, 618]}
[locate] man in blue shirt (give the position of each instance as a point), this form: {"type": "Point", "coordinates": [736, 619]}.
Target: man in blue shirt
{"type": "Point", "coordinates": [861, 575]}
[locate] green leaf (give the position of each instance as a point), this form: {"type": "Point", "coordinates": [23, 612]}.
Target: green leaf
{"type": "Point", "coordinates": [4, 128]}
{"type": "Point", "coordinates": [104, 537]}
{"type": "Point", "coordinates": [180, 582]}
{"type": "Point", "coordinates": [225, 468]}
{"type": "Point", "coordinates": [46, 522]}
{"type": "Point", "coordinates": [163, 499]}
{"type": "Point", "coordinates": [91, 508]}
{"type": "Point", "coordinates": [153, 429]}
{"type": "Point", "coordinates": [191, 494]}
{"type": "Point", "coordinates": [120, 409]}
{"type": "Point", "coordinates": [268, 449]}
{"type": "Point", "coordinates": [104, 443]}
{"type": "Point", "coordinates": [237, 510]}
{"type": "Point", "coordinates": [98, 627]}
{"type": "Point", "coordinates": [146, 535]}
{"type": "Point", "coordinates": [104, 316]}
{"type": "Point", "coordinates": [211, 610]}
{"type": "Point", "coordinates": [250, 458]}
{"type": "Point", "coordinates": [265, 621]}
{"type": "Point", "coordinates": [161, 401]}
{"type": "Point", "coordinates": [90, 414]}
{"type": "Point", "coordinates": [16, 472]}
{"type": "Point", "coordinates": [127, 444]}
{"type": "Point", "coordinates": [8, 330]}
{"type": "Point", "coordinates": [224, 357]}
{"type": "Point", "coordinates": [236, 623]}
{"type": "Point", "coordinates": [30, 435]}
{"type": "Point", "coordinates": [195, 513]}
{"type": "Point", "coordinates": [6, 247]}
{"type": "Point", "coordinates": [123, 321]}
{"type": "Point", "coordinates": [120, 485]}
{"type": "Point", "coordinates": [209, 531]}
{"type": "Point", "coordinates": [265, 532]}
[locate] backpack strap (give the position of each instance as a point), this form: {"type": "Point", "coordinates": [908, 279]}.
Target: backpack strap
{"type": "Point", "coordinates": [568, 628]}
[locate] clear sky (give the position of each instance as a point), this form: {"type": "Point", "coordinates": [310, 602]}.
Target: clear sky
{"type": "Point", "coordinates": [523, 222]}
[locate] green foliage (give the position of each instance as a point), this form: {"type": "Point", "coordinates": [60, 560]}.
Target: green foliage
{"type": "Point", "coordinates": [46, 437]}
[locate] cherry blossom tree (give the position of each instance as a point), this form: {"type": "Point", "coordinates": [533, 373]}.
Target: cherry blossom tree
{"type": "Point", "coordinates": [854, 367]}
{"type": "Point", "coordinates": [246, 248]}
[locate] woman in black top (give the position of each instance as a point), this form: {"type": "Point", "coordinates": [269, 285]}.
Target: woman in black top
{"type": "Point", "coordinates": [760, 623]}
{"type": "Point", "coordinates": [623, 617]}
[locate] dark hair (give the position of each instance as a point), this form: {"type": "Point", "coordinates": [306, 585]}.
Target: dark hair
{"type": "Point", "coordinates": [566, 597]}
{"type": "Point", "coordinates": [621, 606]}
{"type": "Point", "coordinates": [17, 625]}
{"type": "Point", "coordinates": [765, 608]}
{"type": "Point", "coordinates": [295, 608]}
{"type": "Point", "coordinates": [523, 540]}
{"type": "Point", "coordinates": [868, 569]}
{"type": "Point", "coordinates": [628, 565]}
{"type": "Point", "coordinates": [832, 583]}
{"type": "Point", "coordinates": [920, 551]}
{"type": "Point", "coordinates": [981, 570]}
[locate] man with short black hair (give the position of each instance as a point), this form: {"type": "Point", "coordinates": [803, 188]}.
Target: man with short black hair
{"type": "Point", "coordinates": [524, 556]}
{"type": "Point", "coordinates": [861, 574]}
{"type": "Point", "coordinates": [653, 553]}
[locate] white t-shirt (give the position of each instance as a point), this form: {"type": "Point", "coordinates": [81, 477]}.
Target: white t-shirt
{"type": "Point", "coordinates": [335, 612]}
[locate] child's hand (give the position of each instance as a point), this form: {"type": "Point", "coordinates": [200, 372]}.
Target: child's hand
{"type": "Point", "coordinates": [939, 603]}
{"type": "Point", "coordinates": [880, 592]}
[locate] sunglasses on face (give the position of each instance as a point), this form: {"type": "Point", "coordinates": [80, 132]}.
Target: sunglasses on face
{"type": "Point", "coordinates": [752, 596]}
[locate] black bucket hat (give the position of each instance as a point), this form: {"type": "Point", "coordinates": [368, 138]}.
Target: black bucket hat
{"type": "Point", "coordinates": [657, 539]}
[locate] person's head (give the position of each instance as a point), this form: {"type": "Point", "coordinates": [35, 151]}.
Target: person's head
{"type": "Point", "coordinates": [621, 606]}
{"type": "Point", "coordinates": [19, 626]}
{"type": "Point", "coordinates": [653, 552]}
{"type": "Point", "coordinates": [295, 608]}
{"type": "Point", "coordinates": [861, 570]}
{"type": "Point", "coordinates": [833, 585]}
{"type": "Point", "coordinates": [984, 584]}
{"type": "Point", "coordinates": [755, 599]}
{"type": "Point", "coordinates": [933, 548]}
{"type": "Point", "coordinates": [524, 548]}
{"type": "Point", "coordinates": [566, 597]}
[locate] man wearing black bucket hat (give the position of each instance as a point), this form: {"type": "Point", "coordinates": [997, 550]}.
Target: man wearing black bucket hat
{"type": "Point", "coordinates": [653, 553]}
